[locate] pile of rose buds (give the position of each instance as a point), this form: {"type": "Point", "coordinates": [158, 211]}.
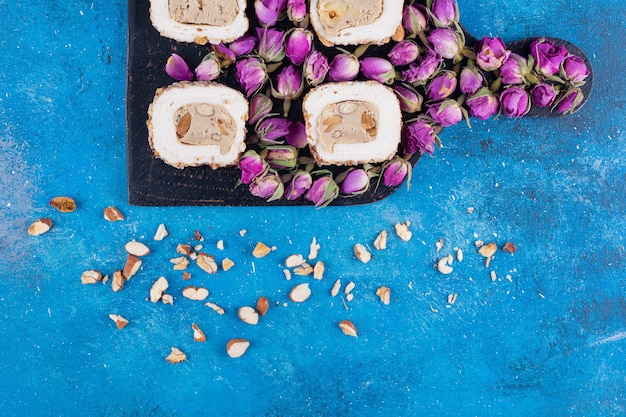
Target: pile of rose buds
{"type": "Point", "coordinates": [438, 78]}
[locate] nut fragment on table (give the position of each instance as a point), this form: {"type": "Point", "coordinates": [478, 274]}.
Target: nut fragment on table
{"type": "Point", "coordinates": [314, 248]}
{"type": "Point", "coordinates": [176, 356]}
{"type": "Point", "coordinates": [362, 254]}
{"type": "Point", "coordinates": [248, 315]}
{"type": "Point", "coordinates": [136, 248]}
{"type": "Point", "coordinates": [380, 243]}
{"type": "Point", "coordinates": [64, 204]}
{"type": "Point", "coordinates": [219, 310]}
{"type": "Point", "coordinates": [183, 249]}
{"type": "Point", "coordinates": [488, 251]}
{"type": "Point", "coordinates": [120, 321]}
{"type": "Point", "coordinates": [237, 347]}
{"type": "Point", "coordinates": [131, 266]}
{"type": "Point", "coordinates": [261, 250]}
{"type": "Point", "coordinates": [117, 283]}
{"type": "Point", "coordinates": [227, 264]}
{"type": "Point", "coordinates": [158, 288]}
{"type": "Point", "coordinates": [510, 247]}
{"type": "Point", "coordinates": [198, 334]}
{"type": "Point", "coordinates": [167, 299]}
{"type": "Point", "coordinates": [384, 293]}
{"type": "Point", "coordinates": [40, 226]}
{"type": "Point", "coordinates": [262, 305]}
{"type": "Point", "coordinates": [206, 262]}
{"type": "Point", "coordinates": [161, 232]}
{"type": "Point", "coordinates": [403, 232]}
{"type": "Point", "coordinates": [195, 293]}
{"type": "Point", "coordinates": [336, 287]}
{"type": "Point", "coordinates": [294, 260]}
{"type": "Point", "coordinates": [113, 214]}
{"type": "Point", "coordinates": [452, 298]}
{"type": "Point", "coordinates": [300, 293]}
{"type": "Point", "coordinates": [459, 254]}
{"type": "Point", "coordinates": [348, 328]}
{"type": "Point", "coordinates": [180, 263]}
{"type": "Point", "coordinates": [303, 270]}
{"type": "Point", "coordinates": [90, 276]}
{"type": "Point", "coordinates": [349, 287]}
{"type": "Point", "coordinates": [318, 270]}
{"type": "Point", "coordinates": [443, 265]}
{"type": "Point", "coordinates": [439, 244]}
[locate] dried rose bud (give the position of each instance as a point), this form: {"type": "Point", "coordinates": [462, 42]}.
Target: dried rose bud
{"type": "Point", "coordinates": [296, 10]}
{"type": "Point", "coordinates": [298, 44]}
{"type": "Point", "coordinates": [515, 102]}
{"type": "Point", "coordinates": [297, 135]}
{"type": "Point", "coordinates": [446, 113]}
{"type": "Point", "coordinates": [315, 68]}
{"type": "Point", "coordinates": [543, 95]}
{"type": "Point", "coordinates": [177, 68]}
{"type": "Point", "coordinates": [300, 183]}
{"type": "Point", "coordinates": [574, 69]}
{"type": "Point", "coordinates": [445, 12]}
{"type": "Point", "coordinates": [209, 69]}
{"type": "Point", "coordinates": [271, 44]}
{"type": "Point", "coordinates": [548, 56]}
{"type": "Point", "coordinates": [243, 45]}
{"type": "Point", "coordinates": [343, 67]}
{"type": "Point", "coordinates": [357, 181]}
{"type": "Point", "coordinates": [280, 156]}
{"type": "Point", "coordinates": [514, 69]}
{"type": "Point", "coordinates": [268, 186]}
{"type": "Point", "coordinates": [323, 191]}
{"type": "Point", "coordinates": [252, 166]}
{"type": "Point", "coordinates": [570, 101]}
{"type": "Point", "coordinates": [404, 53]}
{"type": "Point", "coordinates": [224, 55]}
{"type": "Point", "coordinates": [415, 18]}
{"type": "Point", "coordinates": [419, 72]}
{"type": "Point", "coordinates": [251, 74]}
{"type": "Point", "coordinates": [410, 100]}
{"type": "Point", "coordinates": [395, 171]}
{"type": "Point", "coordinates": [272, 129]}
{"type": "Point", "coordinates": [470, 80]}
{"type": "Point", "coordinates": [418, 136]}
{"type": "Point", "coordinates": [267, 11]}
{"type": "Point", "coordinates": [491, 53]}
{"type": "Point", "coordinates": [483, 104]}
{"type": "Point", "coordinates": [378, 69]}
{"type": "Point", "coordinates": [289, 83]}
{"type": "Point", "coordinates": [446, 42]}
{"type": "Point", "coordinates": [442, 86]}
{"type": "Point", "coordinates": [260, 106]}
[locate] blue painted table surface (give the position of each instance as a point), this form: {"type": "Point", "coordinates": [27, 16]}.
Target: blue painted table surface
{"type": "Point", "coordinates": [548, 337]}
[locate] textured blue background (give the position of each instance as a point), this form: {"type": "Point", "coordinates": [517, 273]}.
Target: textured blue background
{"type": "Point", "coordinates": [549, 341]}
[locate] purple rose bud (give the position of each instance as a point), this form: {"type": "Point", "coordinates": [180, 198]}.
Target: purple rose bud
{"type": "Point", "coordinates": [250, 74]}
{"type": "Point", "coordinates": [356, 182]}
{"type": "Point", "coordinates": [404, 52]}
{"type": "Point", "coordinates": [395, 171]}
{"type": "Point", "coordinates": [446, 42]}
{"type": "Point", "coordinates": [297, 135]}
{"type": "Point", "coordinates": [574, 69]}
{"type": "Point", "coordinates": [296, 10]}
{"type": "Point", "coordinates": [425, 68]}
{"type": "Point", "coordinates": [343, 67]}
{"type": "Point", "coordinates": [491, 53]}
{"type": "Point", "coordinates": [259, 107]}
{"type": "Point", "coordinates": [470, 80]}
{"type": "Point", "coordinates": [378, 69]}
{"type": "Point", "coordinates": [483, 104]}
{"type": "Point", "coordinates": [271, 45]}
{"type": "Point", "coordinates": [177, 68]}
{"type": "Point", "coordinates": [543, 95]}
{"type": "Point", "coordinates": [252, 166]}
{"type": "Point", "coordinates": [243, 45]}
{"type": "Point", "coordinates": [315, 68]}
{"type": "Point", "coordinates": [280, 156]}
{"type": "Point", "coordinates": [224, 55]}
{"type": "Point", "coordinates": [272, 129]}
{"type": "Point", "coordinates": [548, 56]}
{"type": "Point", "coordinates": [298, 45]}
{"type": "Point", "coordinates": [410, 100]}
{"type": "Point", "coordinates": [209, 69]}
{"type": "Point", "coordinates": [323, 191]}
{"type": "Point", "coordinates": [289, 83]}
{"type": "Point", "coordinates": [515, 102]}
{"type": "Point", "coordinates": [442, 86]}
{"type": "Point", "coordinates": [570, 101]}
{"type": "Point", "coordinates": [418, 136]}
{"type": "Point", "coordinates": [267, 11]}
{"type": "Point", "coordinates": [415, 18]}
{"type": "Point", "coordinates": [300, 183]}
{"type": "Point", "coordinates": [446, 113]}
{"type": "Point", "coordinates": [514, 69]}
{"type": "Point", "coordinates": [268, 186]}
{"type": "Point", "coordinates": [446, 11]}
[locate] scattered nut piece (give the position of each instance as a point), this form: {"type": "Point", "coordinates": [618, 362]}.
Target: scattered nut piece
{"type": "Point", "coordinates": [219, 310]}
{"type": "Point", "coordinates": [293, 261]}
{"type": "Point", "coordinates": [195, 293]}
{"type": "Point", "coordinates": [488, 250]}
{"type": "Point", "coordinates": [303, 270]}
{"type": "Point", "coordinates": [40, 226]}
{"type": "Point", "coordinates": [380, 243]}
{"type": "Point", "coordinates": [470, 210]}
{"type": "Point", "coordinates": [237, 347]}
{"type": "Point", "coordinates": [403, 232]}
{"type": "Point", "coordinates": [90, 277]}
{"type": "Point", "coordinates": [479, 243]}
{"type": "Point", "coordinates": [459, 255]}
{"type": "Point", "coordinates": [167, 299]}
{"type": "Point", "coordinates": [63, 204]}
{"type": "Point", "coordinates": [452, 298]}
{"type": "Point", "coordinates": [362, 254]}
{"type": "Point", "coordinates": [349, 287]}
{"type": "Point", "coordinates": [198, 335]}
{"type": "Point", "coordinates": [261, 250]}
{"type": "Point", "coordinates": [384, 293]}
{"type": "Point", "coordinates": [318, 270]}
{"type": "Point", "coordinates": [336, 287]}
{"type": "Point", "coordinates": [287, 274]}
{"type": "Point", "coordinates": [493, 275]}
{"type": "Point", "coordinates": [227, 264]}
{"type": "Point", "coordinates": [117, 283]}
{"type": "Point", "coordinates": [161, 232]}
{"type": "Point", "coordinates": [206, 262]}
{"type": "Point", "coordinates": [136, 248]}
{"type": "Point", "coordinates": [176, 356]}
{"type": "Point", "coordinates": [105, 279]}
{"type": "Point", "coordinates": [180, 263]}
{"type": "Point", "coordinates": [120, 321]}
{"type": "Point", "coordinates": [183, 249]}
{"type": "Point", "coordinates": [439, 244]}
{"type": "Point", "coordinates": [300, 293]}
{"type": "Point", "coordinates": [349, 297]}
{"type": "Point", "coordinates": [347, 327]}
{"type": "Point", "coordinates": [510, 247]}
{"type": "Point", "coordinates": [158, 288]}
{"type": "Point", "coordinates": [443, 266]}
{"type": "Point", "coordinates": [186, 276]}
{"type": "Point", "coordinates": [220, 245]}
{"type": "Point", "coordinates": [112, 214]}
{"type": "Point", "coordinates": [243, 232]}
{"type": "Point", "coordinates": [198, 248]}
{"type": "Point", "coordinates": [248, 315]}
{"type": "Point", "coordinates": [197, 235]}
{"type": "Point", "coordinates": [131, 267]}
{"type": "Point", "coordinates": [262, 305]}
{"type": "Point", "coordinates": [313, 249]}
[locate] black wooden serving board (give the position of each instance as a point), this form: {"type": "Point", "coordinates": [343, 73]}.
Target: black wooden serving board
{"type": "Point", "coordinates": [151, 182]}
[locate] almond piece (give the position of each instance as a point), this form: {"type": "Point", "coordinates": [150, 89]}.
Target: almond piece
{"type": "Point", "coordinates": [227, 264]}
{"type": "Point", "coordinates": [131, 267]}
{"type": "Point", "coordinates": [452, 298]}
{"type": "Point", "coordinates": [167, 299]}
{"type": "Point", "coordinates": [349, 287]}
{"type": "Point", "coordinates": [287, 274]}
{"type": "Point", "coordinates": [183, 249]}
{"type": "Point", "coordinates": [510, 247]}
{"type": "Point", "coordinates": [112, 214]}
{"type": "Point", "coordinates": [300, 293]}
{"type": "Point", "coordinates": [180, 263]}
{"type": "Point", "coordinates": [195, 293]}
{"type": "Point", "coordinates": [206, 262]}
{"type": "Point", "coordinates": [117, 283]}
{"type": "Point", "coordinates": [380, 243]}
{"type": "Point", "coordinates": [219, 310]}
{"type": "Point", "coordinates": [349, 297]}
{"type": "Point", "coordinates": [136, 248]}
{"type": "Point", "coordinates": [318, 270]}
{"type": "Point", "coordinates": [293, 261]}
{"type": "Point", "coordinates": [63, 204]}
{"type": "Point", "coordinates": [158, 288]}
{"type": "Point", "coordinates": [361, 253]}
{"type": "Point", "coordinates": [348, 328]}
{"type": "Point", "coordinates": [90, 277]}
{"type": "Point", "coordinates": [303, 270]}
{"type": "Point", "coordinates": [261, 250]}
{"type": "Point", "coordinates": [403, 232]}
{"type": "Point", "coordinates": [459, 255]}
{"type": "Point", "coordinates": [336, 287]}
{"type": "Point", "coordinates": [161, 232]}
{"type": "Point", "coordinates": [262, 305]}
{"type": "Point", "coordinates": [248, 315]}
{"type": "Point", "coordinates": [40, 226]}
{"type": "Point", "coordinates": [220, 245]}
{"type": "Point", "coordinates": [186, 276]}
{"type": "Point", "coordinates": [313, 249]}
{"type": "Point", "coordinates": [488, 250]}
{"type": "Point", "coordinates": [443, 265]}
{"type": "Point", "coordinates": [198, 335]}
{"type": "Point", "coordinates": [197, 235]}
{"type": "Point", "coordinates": [384, 293]}
{"type": "Point", "coordinates": [237, 347]}
{"type": "Point", "coordinates": [439, 244]}
{"type": "Point", "coordinates": [176, 356]}
{"type": "Point", "coordinates": [120, 321]}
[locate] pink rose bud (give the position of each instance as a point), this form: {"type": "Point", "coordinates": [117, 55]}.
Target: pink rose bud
{"type": "Point", "coordinates": [271, 45]}
{"type": "Point", "coordinates": [404, 52]}
{"type": "Point", "coordinates": [300, 183]}
{"type": "Point", "coordinates": [483, 104]}
{"type": "Point", "coordinates": [419, 72]}
{"type": "Point", "coordinates": [315, 68]}
{"type": "Point", "coordinates": [268, 186]}
{"type": "Point", "coordinates": [418, 136]}
{"type": "Point", "coordinates": [395, 171]}
{"type": "Point", "coordinates": [470, 80]}
{"type": "Point", "coordinates": [209, 69]}
{"type": "Point", "coordinates": [514, 69]}
{"type": "Point", "coordinates": [251, 75]}
{"type": "Point", "coordinates": [446, 42]}
{"type": "Point", "coordinates": [543, 95]}
{"type": "Point", "coordinates": [574, 69]}
{"type": "Point", "coordinates": [414, 18]}
{"type": "Point", "coordinates": [378, 69]}
{"type": "Point", "coordinates": [515, 102]}
{"type": "Point", "coordinates": [289, 83]}
{"type": "Point", "coordinates": [491, 53]}
{"type": "Point", "coordinates": [243, 45]}
{"type": "Point", "coordinates": [298, 45]}
{"type": "Point", "coordinates": [177, 68]}
{"type": "Point", "coordinates": [570, 101]}
{"type": "Point", "coordinates": [280, 156]}
{"type": "Point", "coordinates": [446, 113]}
{"type": "Point", "coordinates": [442, 86]}
{"type": "Point", "coordinates": [224, 54]}
{"type": "Point", "coordinates": [410, 100]}
{"type": "Point", "coordinates": [259, 107]}
{"type": "Point", "coordinates": [323, 191]}
{"type": "Point", "coordinates": [272, 129]}
{"type": "Point", "coordinates": [296, 10]}
{"type": "Point", "coordinates": [356, 182]}
{"type": "Point", "coordinates": [297, 135]}
{"type": "Point", "coordinates": [252, 166]}
{"type": "Point", "coordinates": [445, 11]}
{"type": "Point", "coordinates": [548, 56]}
{"type": "Point", "coordinates": [343, 67]}
{"type": "Point", "coordinates": [267, 11]}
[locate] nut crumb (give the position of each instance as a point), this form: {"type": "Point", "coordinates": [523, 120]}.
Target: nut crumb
{"type": "Point", "coordinates": [493, 275]}
{"type": "Point", "coordinates": [206, 262]}
{"type": "Point", "coordinates": [198, 334]}
{"type": "Point", "coordinates": [349, 287]}
{"type": "Point", "coordinates": [131, 267]}
{"type": "Point", "coordinates": [470, 210]}
{"type": "Point", "coordinates": [403, 232]}
{"type": "Point", "coordinates": [237, 347]}
{"type": "Point", "coordinates": [262, 305]}
{"type": "Point", "coordinates": [220, 244]}
{"type": "Point", "coordinates": [136, 248]}
{"type": "Point", "coordinates": [113, 214]}
{"type": "Point", "coordinates": [510, 247]}
{"type": "Point", "coordinates": [161, 232]}
{"type": "Point", "coordinates": [248, 315]}
{"type": "Point", "coordinates": [63, 204]}
{"type": "Point", "coordinates": [303, 270]}
{"type": "Point", "coordinates": [167, 299]}
{"type": "Point", "coordinates": [439, 244]}
{"type": "Point", "coordinates": [347, 327]}
{"type": "Point", "coordinates": [459, 255]}
{"type": "Point", "coordinates": [361, 253]}
{"type": "Point", "coordinates": [261, 250]}
{"type": "Point", "coordinates": [336, 287]}
{"type": "Point", "coordinates": [176, 356]}
{"type": "Point", "coordinates": [287, 274]}
{"type": "Point", "coordinates": [117, 283]}
{"type": "Point", "coordinates": [384, 293]}
{"type": "Point", "coordinates": [443, 265]}
{"type": "Point", "coordinates": [180, 263]}
{"type": "Point", "coordinates": [452, 298]}
{"type": "Point", "coordinates": [158, 288]}
{"type": "Point", "coordinates": [227, 264]}
{"type": "Point", "coordinates": [243, 232]}
{"type": "Point", "coordinates": [313, 249]}
{"type": "Point", "coordinates": [120, 321]}
{"type": "Point", "coordinates": [293, 261]}
{"type": "Point", "coordinates": [91, 276]}
{"type": "Point", "coordinates": [40, 226]}
{"type": "Point", "coordinates": [186, 276]}
{"type": "Point", "coordinates": [183, 249]}
{"type": "Point", "coordinates": [195, 293]}
{"type": "Point", "coordinates": [300, 293]}
{"type": "Point", "coordinates": [349, 297]}
{"type": "Point", "coordinates": [318, 270]}
{"type": "Point", "coordinates": [219, 310]}
{"type": "Point", "coordinates": [380, 243]}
